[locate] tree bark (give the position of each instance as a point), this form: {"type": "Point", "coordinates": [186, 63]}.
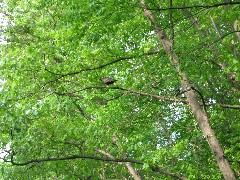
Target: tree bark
{"type": "Point", "coordinates": [190, 93]}
{"type": "Point", "coordinates": [236, 27]}
{"type": "Point", "coordinates": [128, 165]}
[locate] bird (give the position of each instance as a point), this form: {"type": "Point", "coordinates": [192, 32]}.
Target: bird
{"type": "Point", "coordinates": [57, 59]}
{"type": "Point", "coordinates": [108, 80]}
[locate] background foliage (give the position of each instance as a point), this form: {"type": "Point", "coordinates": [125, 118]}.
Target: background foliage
{"type": "Point", "coordinates": [53, 104]}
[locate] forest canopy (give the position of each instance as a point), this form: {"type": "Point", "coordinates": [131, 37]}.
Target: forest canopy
{"type": "Point", "coordinates": [110, 89]}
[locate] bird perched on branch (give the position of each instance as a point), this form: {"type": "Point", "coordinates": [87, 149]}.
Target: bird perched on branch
{"type": "Point", "coordinates": [108, 80]}
{"type": "Point", "coordinates": [58, 60]}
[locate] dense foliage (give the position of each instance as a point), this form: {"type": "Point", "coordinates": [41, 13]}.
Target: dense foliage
{"type": "Point", "coordinates": [60, 121]}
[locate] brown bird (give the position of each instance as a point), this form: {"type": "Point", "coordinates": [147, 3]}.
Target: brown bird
{"type": "Point", "coordinates": [108, 80]}
{"type": "Point", "coordinates": [58, 60]}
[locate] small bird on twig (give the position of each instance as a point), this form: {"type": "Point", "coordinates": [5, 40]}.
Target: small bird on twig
{"type": "Point", "coordinates": [108, 80]}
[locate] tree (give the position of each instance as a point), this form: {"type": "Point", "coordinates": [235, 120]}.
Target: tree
{"type": "Point", "coordinates": [170, 111]}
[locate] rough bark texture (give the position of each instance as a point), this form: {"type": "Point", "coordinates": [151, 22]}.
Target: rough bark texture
{"type": "Point", "coordinates": [190, 93]}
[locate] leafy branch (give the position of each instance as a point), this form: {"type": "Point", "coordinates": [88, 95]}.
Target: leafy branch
{"type": "Point", "coordinates": [96, 67]}
{"type": "Point", "coordinates": [162, 98]}
{"type": "Point", "coordinates": [109, 159]}
{"type": "Point", "coordinates": [127, 91]}
{"type": "Point", "coordinates": [69, 158]}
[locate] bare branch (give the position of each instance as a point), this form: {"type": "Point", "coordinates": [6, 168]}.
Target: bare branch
{"type": "Point", "coordinates": [171, 23]}
{"type": "Point", "coordinates": [70, 94]}
{"type": "Point", "coordinates": [80, 109]}
{"type": "Point", "coordinates": [105, 153]}
{"type": "Point", "coordinates": [196, 6]}
{"type": "Point", "coordinates": [122, 94]}
{"type": "Point", "coordinates": [52, 72]}
{"type": "Point", "coordinates": [156, 168]}
{"type": "Point", "coordinates": [215, 27]}
{"type": "Point", "coordinates": [129, 166]}
{"type": "Point", "coordinates": [224, 106]}
{"type": "Point", "coordinates": [70, 158]}
{"type": "Point", "coordinates": [133, 172]}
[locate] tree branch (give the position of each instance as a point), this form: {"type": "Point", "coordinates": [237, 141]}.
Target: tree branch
{"type": "Point", "coordinates": [70, 158]}
{"type": "Point", "coordinates": [110, 159]}
{"type": "Point", "coordinates": [215, 27]}
{"type": "Point", "coordinates": [96, 67]}
{"type": "Point", "coordinates": [171, 23]}
{"type": "Point", "coordinates": [128, 165]}
{"type": "Point", "coordinates": [129, 91]}
{"type": "Point", "coordinates": [157, 169]}
{"type": "Point", "coordinates": [80, 109]}
{"type": "Point", "coordinates": [196, 6]}
{"type": "Point", "coordinates": [223, 105]}
{"type": "Point", "coordinates": [162, 98]}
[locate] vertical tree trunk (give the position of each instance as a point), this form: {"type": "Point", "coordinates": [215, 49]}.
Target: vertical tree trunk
{"type": "Point", "coordinates": [190, 93]}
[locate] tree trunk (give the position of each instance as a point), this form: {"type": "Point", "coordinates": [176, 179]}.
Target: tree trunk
{"type": "Point", "coordinates": [190, 93]}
